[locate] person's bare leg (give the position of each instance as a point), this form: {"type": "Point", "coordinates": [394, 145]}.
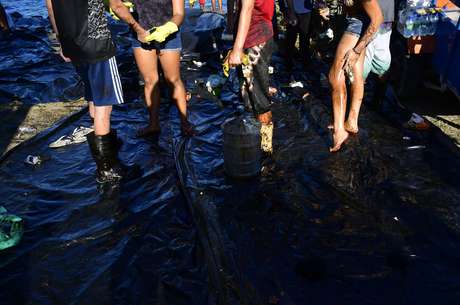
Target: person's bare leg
{"type": "Point", "coordinates": [102, 120]}
{"type": "Point", "coordinates": [3, 20]}
{"type": "Point", "coordinates": [170, 62]}
{"type": "Point", "coordinates": [213, 5]}
{"type": "Point", "coordinates": [91, 109]}
{"type": "Point", "coordinates": [339, 90]}
{"type": "Point", "coordinates": [357, 93]}
{"type": "Point", "coordinates": [148, 66]}
{"type": "Point", "coordinates": [221, 8]}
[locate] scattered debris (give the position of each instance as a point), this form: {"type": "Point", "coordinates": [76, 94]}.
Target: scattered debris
{"type": "Point", "coordinates": [27, 129]}
{"type": "Point", "coordinates": [417, 122]}
{"type": "Point", "coordinates": [77, 136]}
{"type": "Point", "coordinates": [11, 229]}
{"type": "Point", "coordinates": [33, 160]}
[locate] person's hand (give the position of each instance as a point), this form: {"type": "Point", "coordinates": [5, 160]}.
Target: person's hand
{"type": "Point", "coordinates": [129, 5]}
{"type": "Point", "coordinates": [160, 33]}
{"type": "Point", "coordinates": [235, 57]}
{"type": "Point", "coordinates": [324, 13]}
{"type": "Point", "coordinates": [66, 59]}
{"type": "Point", "coordinates": [350, 60]}
{"type": "Point", "coordinates": [142, 34]}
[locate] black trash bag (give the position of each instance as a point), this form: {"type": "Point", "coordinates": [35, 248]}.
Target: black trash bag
{"type": "Point", "coordinates": [202, 32]}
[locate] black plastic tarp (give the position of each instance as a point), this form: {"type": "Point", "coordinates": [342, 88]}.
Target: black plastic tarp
{"type": "Point", "coordinates": [376, 223]}
{"type": "Point", "coordinates": [132, 245]}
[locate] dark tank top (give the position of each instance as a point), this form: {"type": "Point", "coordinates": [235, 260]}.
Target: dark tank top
{"type": "Point", "coordinates": [153, 13]}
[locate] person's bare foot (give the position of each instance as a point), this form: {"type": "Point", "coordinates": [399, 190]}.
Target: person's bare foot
{"type": "Point", "coordinates": [351, 128]}
{"type": "Point", "coordinates": [148, 131]}
{"type": "Point", "coordinates": [339, 139]}
{"type": "Point", "coordinates": [265, 118]}
{"type": "Point", "coordinates": [187, 128]}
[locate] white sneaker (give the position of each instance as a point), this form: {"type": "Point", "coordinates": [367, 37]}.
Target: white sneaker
{"type": "Point", "coordinates": [77, 136]}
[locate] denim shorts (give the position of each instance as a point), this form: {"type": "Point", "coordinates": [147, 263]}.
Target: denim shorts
{"type": "Point", "coordinates": [172, 43]}
{"type": "Point", "coordinates": [356, 26]}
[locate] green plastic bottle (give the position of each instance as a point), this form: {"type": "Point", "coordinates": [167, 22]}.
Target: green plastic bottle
{"type": "Point", "coordinates": [11, 229]}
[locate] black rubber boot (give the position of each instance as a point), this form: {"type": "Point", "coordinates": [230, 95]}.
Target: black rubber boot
{"type": "Point", "coordinates": [104, 150]}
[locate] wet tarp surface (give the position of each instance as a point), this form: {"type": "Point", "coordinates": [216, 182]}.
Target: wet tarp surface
{"type": "Point", "coordinates": [374, 224]}
{"type": "Point", "coordinates": [377, 223]}
{"type": "Point", "coordinates": [31, 69]}
{"type": "Point", "coordinates": [131, 245]}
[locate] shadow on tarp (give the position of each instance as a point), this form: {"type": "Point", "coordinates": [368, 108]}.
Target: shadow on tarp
{"type": "Point", "coordinates": [12, 115]}
{"type": "Point", "coordinates": [132, 245]}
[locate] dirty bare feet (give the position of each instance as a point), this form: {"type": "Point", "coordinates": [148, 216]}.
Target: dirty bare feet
{"type": "Point", "coordinates": [265, 118]}
{"type": "Point", "coordinates": [351, 128]}
{"type": "Point", "coordinates": [339, 138]}
{"type": "Point", "coordinates": [187, 128]}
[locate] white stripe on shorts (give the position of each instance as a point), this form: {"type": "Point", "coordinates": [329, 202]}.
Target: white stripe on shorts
{"type": "Point", "coordinates": [115, 80]}
{"type": "Point", "coordinates": [118, 78]}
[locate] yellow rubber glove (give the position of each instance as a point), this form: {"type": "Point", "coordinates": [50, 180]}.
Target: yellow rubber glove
{"type": "Point", "coordinates": [226, 66]}
{"type": "Point", "coordinates": [128, 4]}
{"type": "Point", "coordinates": [160, 33]}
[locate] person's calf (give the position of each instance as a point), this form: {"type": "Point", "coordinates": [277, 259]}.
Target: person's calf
{"type": "Point", "coordinates": [265, 118]}
{"type": "Point", "coordinates": [102, 120]}
{"type": "Point", "coordinates": [91, 109]}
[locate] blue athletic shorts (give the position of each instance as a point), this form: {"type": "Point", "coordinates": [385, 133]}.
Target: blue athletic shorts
{"type": "Point", "coordinates": [102, 82]}
{"type": "Point", "coordinates": [172, 43]}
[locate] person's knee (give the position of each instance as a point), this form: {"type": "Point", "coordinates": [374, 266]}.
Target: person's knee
{"type": "Point", "coordinates": [150, 81]}
{"type": "Point", "coordinates": [174, 81]}
{"type": "Point", "coordinates": [102, 119]}
{"type": "Point", "coordinates": [336, 79]}
{"type": "Point", "coordinates": [102, 112]}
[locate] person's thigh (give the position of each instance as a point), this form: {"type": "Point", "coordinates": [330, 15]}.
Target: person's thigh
{"type": "Point", "coordinates": [170, 63]}
{"type": "Point", "coordinates": [147, 62]}
{"type": "Point", "coordinates": [347, 42]}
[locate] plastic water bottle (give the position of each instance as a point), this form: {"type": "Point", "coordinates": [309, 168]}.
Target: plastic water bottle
{"type": "Point", "coordinates": [434, 18]}
{"type": "Point", "coordinates": [410, 27]}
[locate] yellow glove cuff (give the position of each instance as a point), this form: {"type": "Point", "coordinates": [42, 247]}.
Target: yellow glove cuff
{"type": "Point", "coordinates": [171, 27]}
{"type": "Point", "coordinates": [128, 4]}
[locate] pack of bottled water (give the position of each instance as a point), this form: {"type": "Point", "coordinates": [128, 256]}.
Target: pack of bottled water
{"type": "Point", "coordinates": [418, 18]}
